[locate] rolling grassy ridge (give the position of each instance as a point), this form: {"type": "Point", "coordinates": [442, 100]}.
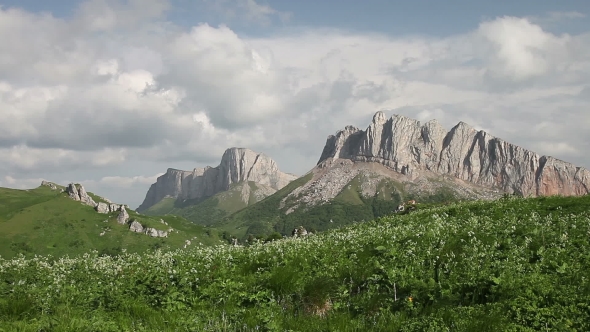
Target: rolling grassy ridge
{"type": "Point", "coordinates": [508, 265]}
{"type": "Point", "coordinates": [42, 221]}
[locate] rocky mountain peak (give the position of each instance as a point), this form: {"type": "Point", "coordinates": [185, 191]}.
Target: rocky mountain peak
{"type": "Point", "coordinates": [237, 165]}
{"type": "Point", "coordinates": [379, 118]}
{"type": "Point", "coordinates": [410, 148]}
{"type": "Point", "coordinates": [241, 164]}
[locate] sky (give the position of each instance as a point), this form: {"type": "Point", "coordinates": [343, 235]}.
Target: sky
{"type": "Point", "coordinates": [111, 93]}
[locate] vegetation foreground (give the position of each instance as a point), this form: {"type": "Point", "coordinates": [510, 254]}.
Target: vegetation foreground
{"type": "Point", "coordinates": [509, 265]}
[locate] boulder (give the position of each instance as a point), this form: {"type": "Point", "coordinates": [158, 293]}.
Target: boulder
{"type": "Point", "coordinates": [136, 227]}
{"type": "Point", "coordinates": [299, 231]}
{"type": "Point", "coordinates": [102, 208]}
{"type": "Point", "coordinates": [155, 233]}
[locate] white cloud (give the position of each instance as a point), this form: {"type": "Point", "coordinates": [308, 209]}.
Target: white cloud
{"type": "Point", "coordinates": [16, 183]}
{"type": "Point", "coordinates": [96, 92]}
{"type": "Point", "coordinates": [519, 46]}
{"type": "Point", "coordinates": [24, 158]}
{"type": "Point", "coordinates": [556, 149]}
{"type": "Point", "coordinates": [124, 182]}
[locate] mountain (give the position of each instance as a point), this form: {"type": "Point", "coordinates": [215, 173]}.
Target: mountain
{"type": "Point", "coordinates": [363, 174]}
{"type": "Point", "coordinates": [204, 195]}
{"type": "Point", "coordinates": [405, 146]}
{"type": "Point", "coordinates": [58, 221]}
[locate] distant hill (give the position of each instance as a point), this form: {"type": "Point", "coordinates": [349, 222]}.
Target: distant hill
{"type": "Point", "coordinates": [46, 220]}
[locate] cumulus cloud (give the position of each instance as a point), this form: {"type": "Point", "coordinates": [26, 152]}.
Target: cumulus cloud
{"type": "Point", "coordinates": [22, 159]}
{"type": "Point", "coordinates": [28, 183]}
{"type": "Point", "coordinates": [122, 181]}
{"type": "Point", "coordinates": [99, 91]}
{"type": "Point", "coordinates": [557, 148]}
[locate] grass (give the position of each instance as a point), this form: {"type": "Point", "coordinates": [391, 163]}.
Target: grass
{"type": "Point", "coordinates": [42, 221]}
{"type": "Point", "coordinates": [508, 265]}
{"type": "Point", "coordinates": [351, 193]}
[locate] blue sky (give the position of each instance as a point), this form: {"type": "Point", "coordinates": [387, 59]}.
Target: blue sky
{"type": "Point", "coordinates": [110, 93]}
{"type": "Point", "coordinates": [428, 17]}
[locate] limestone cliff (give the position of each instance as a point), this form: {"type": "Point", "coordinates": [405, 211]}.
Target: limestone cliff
{"type": "Point", "coordinates": [237, 165]}
{"type": "Point", "coordinates": [411, 148]}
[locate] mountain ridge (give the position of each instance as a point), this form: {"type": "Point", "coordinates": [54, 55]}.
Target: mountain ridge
{"type": "Point", "coordinates": [406, 146]}
{"type": "Point", "coordinates": [365, 174]}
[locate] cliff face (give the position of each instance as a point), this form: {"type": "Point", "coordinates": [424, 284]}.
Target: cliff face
{"type": "Point", "coordinates": [408, 147]}
{"type": "Point", "coordinates": [237, 165]}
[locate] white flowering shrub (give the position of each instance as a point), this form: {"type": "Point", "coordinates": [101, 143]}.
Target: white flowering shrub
{"type": "Point", "coordinates": [518, 264]}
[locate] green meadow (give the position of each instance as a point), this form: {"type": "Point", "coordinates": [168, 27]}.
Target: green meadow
{"type": "Point", "coordinates": [42, 221]}
{"type": "Point", "coordinates": [508, 265]}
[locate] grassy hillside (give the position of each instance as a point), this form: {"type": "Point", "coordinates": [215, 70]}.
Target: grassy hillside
{"type": "Point", "coordinates": [508, 265]}
{"type": "Point", "coordinates": [260, 218]}
{"type": "Point", "coordinates": [349, 206]}
{"type": "Point", "coordinates": [209, 211]}
{"type": "Point", "coordinates": [44, 221]}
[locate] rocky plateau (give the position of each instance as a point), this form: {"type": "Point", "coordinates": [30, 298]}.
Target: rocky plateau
{"type": "Point", "coordinates": [238, 165]}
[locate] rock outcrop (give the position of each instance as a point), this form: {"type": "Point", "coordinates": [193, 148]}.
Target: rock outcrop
{"type": "Point", "coordinates": [78, 193]}
{"type": "Point", "coordinates": [123, 216]}
{"type": "Point", "coordinates": [103, 207]}
{"type": "Point", "coordinates": [237, 165]}
{"type": "Point", "coordinates": [155, 232]}
{"type": "Point", "coordinates": [410, 148]}
{"type": "Point", "coordinates": [136, 227]}
{"type": "Point", "coordinates": [49, 184]}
